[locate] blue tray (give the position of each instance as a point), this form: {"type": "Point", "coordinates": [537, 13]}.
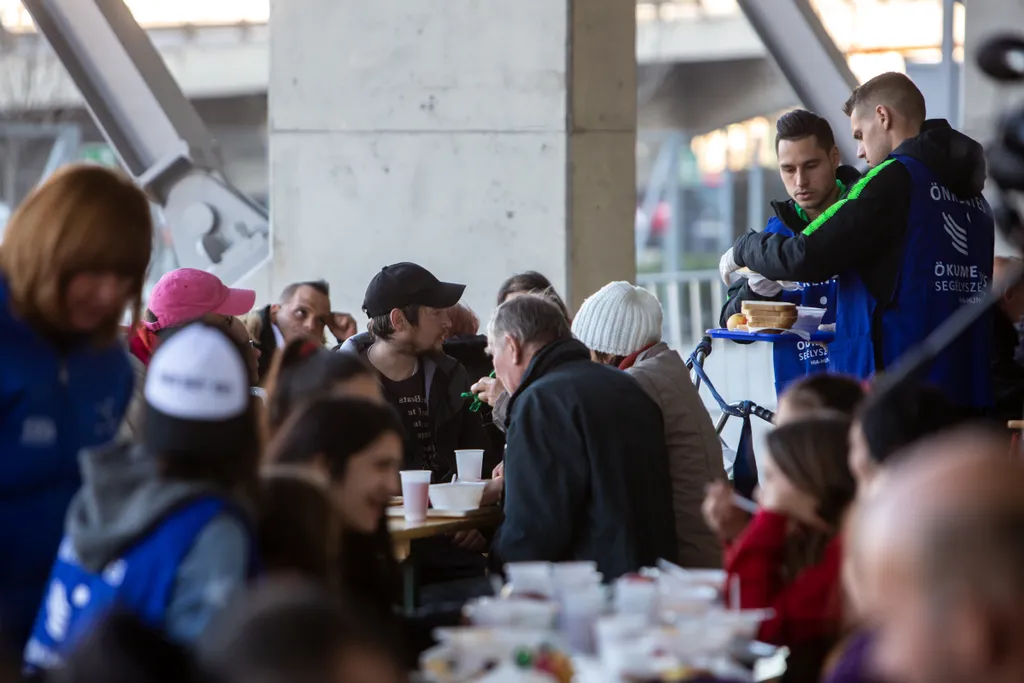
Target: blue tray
{"type": "Point", "coordinates": [783, 338]}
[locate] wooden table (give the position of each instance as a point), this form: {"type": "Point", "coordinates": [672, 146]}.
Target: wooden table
{"type": "Point", "coordinates": [403, 533]}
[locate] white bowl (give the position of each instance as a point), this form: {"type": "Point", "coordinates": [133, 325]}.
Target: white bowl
{"type": "Point", "coordinates": [808, 318]}
{"type": "Point", "coordinates": [494, 612]}
{"type": "Point", "coordinates": [463, 495]}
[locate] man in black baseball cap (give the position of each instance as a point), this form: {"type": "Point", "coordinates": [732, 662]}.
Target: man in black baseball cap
{"type": "Point", "coordinates": [408, 311]}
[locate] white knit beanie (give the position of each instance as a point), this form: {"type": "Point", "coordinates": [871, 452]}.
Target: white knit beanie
{"type": "Point", "coordinates": [619, 319]}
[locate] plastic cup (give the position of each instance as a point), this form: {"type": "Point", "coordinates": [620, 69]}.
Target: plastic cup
{"type": "Point", "coordinates": [470, 464]}
{"type": "Point", "coordinates": [415, 494]}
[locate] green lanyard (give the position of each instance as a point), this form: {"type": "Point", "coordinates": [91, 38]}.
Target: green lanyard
{"type": "Point", "coordinates": [803, 214]}
{"type": "Point", "coordinates": [475, 406]}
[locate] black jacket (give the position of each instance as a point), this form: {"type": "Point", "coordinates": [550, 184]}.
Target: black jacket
{"type": "Point", "coordinates": [786, 212]}
{"type": "Point", "coordinates": [1007, 374]}
{"type": "Point", "coordinates": [586, 477]}
{"type": "Point", "coordinates": [455, 426]}
{"type": "Point", "coordinates": [268, 344]}
{"type": "Point", "coordinates": [471, 351]}
{"type": "Point", "coordinates": [866, 234]}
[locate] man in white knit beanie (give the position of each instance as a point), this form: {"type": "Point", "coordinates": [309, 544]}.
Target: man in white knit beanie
{"type": "Point", "coordinates": [621, 325]}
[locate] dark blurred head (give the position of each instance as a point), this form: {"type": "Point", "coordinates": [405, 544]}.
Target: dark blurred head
{"type": "Point", "coordinates": [817, 393]}
{"type": "Point", "coordinates": [289, 632]}
{"type": "Point", "coordinates": [889, 422]}
{"type": "Point", "coordinates": [305, 371]}
{"type": "Point", "coordinates": [299, 527]}
{"type": "Point", "coordinates": [123, 649]}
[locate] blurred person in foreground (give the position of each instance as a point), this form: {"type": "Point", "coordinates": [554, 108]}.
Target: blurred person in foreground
{"type": "Point", "coordinates": [295, 633]}
{"type": "Point", "coordinates": [72, 261]}
{"type": "Point", "coordinates": [164, 529]}
{"type": "Point", "coordinates": [911, 243]}
{"type": "Point", "coordinates": [302, 311]}
{"type": "Point", "coordinates": [621, 325]}
{"type": "Point", "coordinates": [181, 297]}
{"type": "Point", "coordinates": [941, 542]}
{"type": "Point", "coordinates": [819, 395]}
{"type": "Point", "coordinates": [884, 428]}
{"type": "Point", "coordinates": [788, 558]}
{"type": "Point", "coordinates": [1007, 372]}
{"type": "Point", "coordinates": [587, 476]}
{"type": "Point", "coordinates": [357, 447]}
{"type": "Point", "coordinates": [814, 180]}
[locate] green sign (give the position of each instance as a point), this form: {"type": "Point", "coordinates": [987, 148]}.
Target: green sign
{"type": "Point", "coordinates": [98, 153]}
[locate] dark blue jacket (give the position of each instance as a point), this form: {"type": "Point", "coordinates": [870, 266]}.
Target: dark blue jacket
{"type": "Point", "coordinates": [52, 404]}
{"type": "Point", "coordinates": [947, 263]}
{"type": "Point", "coordinates": [142, 578]}
{"type": "Point", "coordinates": [884, 242]}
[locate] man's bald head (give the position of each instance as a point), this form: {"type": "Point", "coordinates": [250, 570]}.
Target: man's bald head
{"type": "Point", "coordinates": [942, 542]}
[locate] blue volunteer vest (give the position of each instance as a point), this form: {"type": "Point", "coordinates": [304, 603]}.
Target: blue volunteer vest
{"type": "Point", "coordinates": [793, 361]}
{"type": "Point", "coordinates": [141, 580]}
{"type": "Point", "coordinates": [947, 263]}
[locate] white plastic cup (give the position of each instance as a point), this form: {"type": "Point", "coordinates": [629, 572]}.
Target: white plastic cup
{"type": "Point", "coordinates": [470, 464]}
{"type": "Point", "coordinates": [580, 610]}
{"type": "Point", "coordinates": [415, 494]}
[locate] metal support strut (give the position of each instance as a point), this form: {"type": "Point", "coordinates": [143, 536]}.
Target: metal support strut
{"type": "Point", "coordinates": [815, 68]}
{"type": "Point", "coordinates": [156, 132]}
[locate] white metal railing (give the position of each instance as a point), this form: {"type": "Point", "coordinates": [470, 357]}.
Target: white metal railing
{"type": "Point", "coordinates": [691, 300]}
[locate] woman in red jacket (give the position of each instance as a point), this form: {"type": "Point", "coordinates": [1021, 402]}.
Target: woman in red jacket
{"type": "Point", "coordinates": [788, 558]}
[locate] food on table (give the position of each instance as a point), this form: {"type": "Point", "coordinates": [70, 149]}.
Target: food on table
{"type": "Point", "coordinates": [735, 320]}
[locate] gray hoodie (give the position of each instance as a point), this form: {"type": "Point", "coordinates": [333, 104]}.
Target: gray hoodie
{"type": "Point", "coordinates": [121, 497]}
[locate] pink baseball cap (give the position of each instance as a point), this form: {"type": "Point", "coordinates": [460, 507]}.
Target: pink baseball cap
{"type": "Point", "coordinates": [188, 294]}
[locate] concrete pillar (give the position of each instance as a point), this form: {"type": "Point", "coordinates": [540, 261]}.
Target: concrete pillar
{"type": "Point", "coordinates": [476, 138]}
{"type": "Point", "coordinates": [985, 100]}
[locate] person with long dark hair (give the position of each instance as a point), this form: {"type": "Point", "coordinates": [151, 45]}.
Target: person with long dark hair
{"type": "Point", "coordinates": [359, 446]}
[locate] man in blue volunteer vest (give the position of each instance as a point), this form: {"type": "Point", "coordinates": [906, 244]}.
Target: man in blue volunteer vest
{"type": "Point", "coordinates": [810, 170]}
{"type": "Point", "coordinates": [160, 529]}
{"type": "Point", "coordinates": [911, 242]}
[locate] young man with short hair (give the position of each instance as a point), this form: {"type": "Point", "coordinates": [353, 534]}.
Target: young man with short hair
{"type": "Point", "coordinates": [815, 180]}
{"type": "Point", "coordinates": [407, 307]}
{"type": "Point", "coordinates": [912, 242]}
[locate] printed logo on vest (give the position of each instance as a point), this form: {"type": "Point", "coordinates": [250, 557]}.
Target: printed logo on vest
{"type": "Point", "coordinates": [38, 431]}
{"type": "Point", "coordinates": [58, 611]}
{"type": "Point", "coordinates": [113, 575]}
{"type": "Point", "coordinates": [957, 234]}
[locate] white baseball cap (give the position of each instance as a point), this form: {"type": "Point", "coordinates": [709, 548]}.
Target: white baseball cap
{"type": "Point", "coordinates": [197, 392]}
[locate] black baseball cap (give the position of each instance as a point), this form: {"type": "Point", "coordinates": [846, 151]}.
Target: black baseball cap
{"type": "Point", "coordinates": [407, 284]}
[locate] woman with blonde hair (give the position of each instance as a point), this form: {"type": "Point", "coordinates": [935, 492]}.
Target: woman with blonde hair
{"type": "Point", "coordinates": [73, 258]}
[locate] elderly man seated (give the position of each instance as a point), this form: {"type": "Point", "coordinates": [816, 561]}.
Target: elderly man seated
{"type": "Point", "coordinates": [586, 472]}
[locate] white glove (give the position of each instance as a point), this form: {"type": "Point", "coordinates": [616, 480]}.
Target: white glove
{"type": "Point", "coordinates": [762, 286]}
{"type": "Point", "coordinates": [727, 266]}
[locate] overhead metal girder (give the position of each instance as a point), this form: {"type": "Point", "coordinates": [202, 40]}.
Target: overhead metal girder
{"type": "Point", "coordinates": [158, 136]}
{"type": "Point", "coordinates": [815, 68]}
